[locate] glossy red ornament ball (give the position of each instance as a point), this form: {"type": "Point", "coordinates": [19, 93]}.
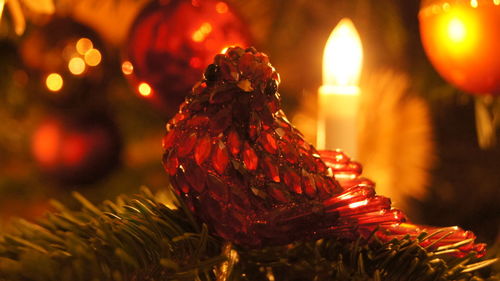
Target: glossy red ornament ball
{"type": "Point", "coordinates": [171, 42]}
{"type": "Point", "coordinates": [77, 150]}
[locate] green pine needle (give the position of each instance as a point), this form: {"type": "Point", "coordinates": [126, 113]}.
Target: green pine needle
{"type": "Point", "coordinates": [139, 238]}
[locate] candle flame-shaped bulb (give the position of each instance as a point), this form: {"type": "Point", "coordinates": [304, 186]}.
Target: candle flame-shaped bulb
{"type": "Point", "coordinates": [342, 57]}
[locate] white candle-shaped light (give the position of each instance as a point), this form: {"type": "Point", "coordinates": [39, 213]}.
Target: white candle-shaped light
{"type": "Point", "coordinates": [339, 94]}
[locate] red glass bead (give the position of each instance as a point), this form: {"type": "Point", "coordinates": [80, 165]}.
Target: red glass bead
{"type": "Point", "coordinates": [277, 193]}
{"type": "Point", "coordinates": [196, 177]}
{"type": "Point", "coordinates": [233, 142]}
{"type": "Point", "coordinates": [220, 121]}
{"type": "Point", "coordinates": [308, 183]}
{"type": "Point", "coordinates": [255, 126]}
{"type": "Point", "coordinates": [177, 118]}
{"type": "Point", "coordinates": [249, 157]}
{"type": "Point", "coordinates": [247, 64]}
{"type": "Point", "coordinates": [270, 169]}
{"type": "Point", "coordinates": [220, 157]}
{"type": "Point", "coordinates": [222, 95]}
{"type": "Point", "coordinates": [268, 143]}
{"type": "Point", "coordinates": [217, 188]}
{"type": "Point", "coordinates": [292, 180]}
{"type": "Point", "coordinates": [273, 105]}
{"type": "Point", "coordinates": [322, 186]}
{"type": "Point", "coordinates": [169, 139]}
{"type": "Point", "coordinates": [229, 72]}
{"type": "Point", "coordinates": [170, 162]}
{"type": "Point", "coordinates": [180, 182]}
{"type": "Point", "coordinates": [186, 145]}
{"type": "Point", "coordinates": [197, 121]}
{"type": "Point", "coordinates": [239, 198]}
{"type": "Point", "coordinates": [199, 88]}
{"type": "Point", "coordinates": [289, 152]}
{"type": "Point", "coordinates": [202, 150]}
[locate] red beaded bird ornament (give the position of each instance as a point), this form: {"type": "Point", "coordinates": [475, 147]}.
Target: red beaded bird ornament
{"type": "Point", "coordinates": [245, 171]}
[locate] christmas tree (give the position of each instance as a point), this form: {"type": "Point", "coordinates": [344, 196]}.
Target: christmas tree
{"type": "Point", "coordinates": [85, 129]}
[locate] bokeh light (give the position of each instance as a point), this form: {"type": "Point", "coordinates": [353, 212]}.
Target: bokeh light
{"type": "Point", "coordinates": [144, 89]}
{"type": "Point", "coordinates": [93, 57]}
{"type": "Point", "coordinates": [127, 67]}
{"type": "Point", "coordinates": [83, 45]}
{"type": "Point", "coordinates": [54, 82]}
{"type": "Point", "coordinates": [76, 66]}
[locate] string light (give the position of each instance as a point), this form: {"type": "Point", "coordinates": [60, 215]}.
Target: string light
{"type": "Point", "coordinates": [144, 89]}
{"type": "Point", "coordinates": [127, 67]}
{"type": "Point", "coordinates": [93, 57]}
{"type": "Point", "coordinates": [76, 66]}
{"type": "Point", "coordinates": [54, 82]}
{"type": "Point", "coordinates": [83, 45]}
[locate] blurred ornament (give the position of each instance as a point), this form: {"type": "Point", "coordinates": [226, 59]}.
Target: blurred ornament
{"type": "Point", "coordinates": [171, 42]}
{"type": "Point", "coordinates": [76, 150]}
{"type": "Point", "coordinates": [65, 57]}
{"type": "Point", "coordinates": [461, 40]}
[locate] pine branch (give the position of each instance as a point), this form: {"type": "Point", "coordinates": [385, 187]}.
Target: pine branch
{"type": "Point", "coordinates": [139, 238]}
{"type": "Point", "coordinates": [134, 238]}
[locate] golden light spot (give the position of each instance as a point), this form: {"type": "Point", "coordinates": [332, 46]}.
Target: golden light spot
{"type": "Point", "coordinates": [456, 30]}
{"type": "Point", "coordinates": [54, 82]}
{"type": "Point", "coordinates": [76, 66]}
{"type": "Point", "coordinates": [198, 36]}
{"type": "Point", "coordinates": [473, 3]}
{"type": "Point", "coordinates": [93, 57]}
{"type": "Point", "coordinates": [221, 7]}
{"type": "Point", "coordinates": [144, 89]}
{"type": "Point", "coordinates": [206, 28]}
{"type": "Point", "coordinates": [201, 33]}
{"type": "Point", "coordinates": [127, 67]}
{"type": "Point", "coordinates": [223, 51]}
{"type": "Point", "coordinates": [446, 7]}
{"type": "Point", "coordinates": [83, 45]}
{"type": "Point", "coordinates": [496, 2]}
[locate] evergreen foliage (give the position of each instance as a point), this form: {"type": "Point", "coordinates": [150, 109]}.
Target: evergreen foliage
{"type": "Point", "coordinates": [140, 238]}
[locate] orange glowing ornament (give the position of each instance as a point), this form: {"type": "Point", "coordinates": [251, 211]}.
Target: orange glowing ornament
{"type": "Point", "coordinates": [461, 39]}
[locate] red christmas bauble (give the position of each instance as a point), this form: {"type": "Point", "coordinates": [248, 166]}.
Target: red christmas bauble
{"type": "Point", "coordinates": [170, 44]}
{"type": "Point", "coordinates": [76, 150]}
{"type": "Point", "coordinates": [65, 58]}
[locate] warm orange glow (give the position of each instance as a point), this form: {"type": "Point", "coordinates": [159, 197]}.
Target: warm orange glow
{"type": "Point", "coordinates": [83, 45]}
{"type": "Point", "coordinates": [144, 89]}
{"type": "Point", "coordinates": [221, 7]}
{"type": "Point", "coordinates": [46, 142]}
{"type": "Point", "coordinates": [93, 57]}
{"type": "Point", "coordinates": [456, 30]}
{"type": "Point", "coordinates": [462, 43]}
{"type": "Point", "coordinates": [74, 149]}
{"type": "Point", "coordinates": [127, 67]}
{"type": "Point", "coordinates": [343, 55]}
{"type": "Point", "coordinates": [195, 62]}
{"type": "Point", "coordinates": [223, 51]}
{"type": "Point", "coordinates": [76, 66]}
{"type": "Point", "coordinates": [201, 33]}
{"type": "Point", "coordinates": [54, 82]}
